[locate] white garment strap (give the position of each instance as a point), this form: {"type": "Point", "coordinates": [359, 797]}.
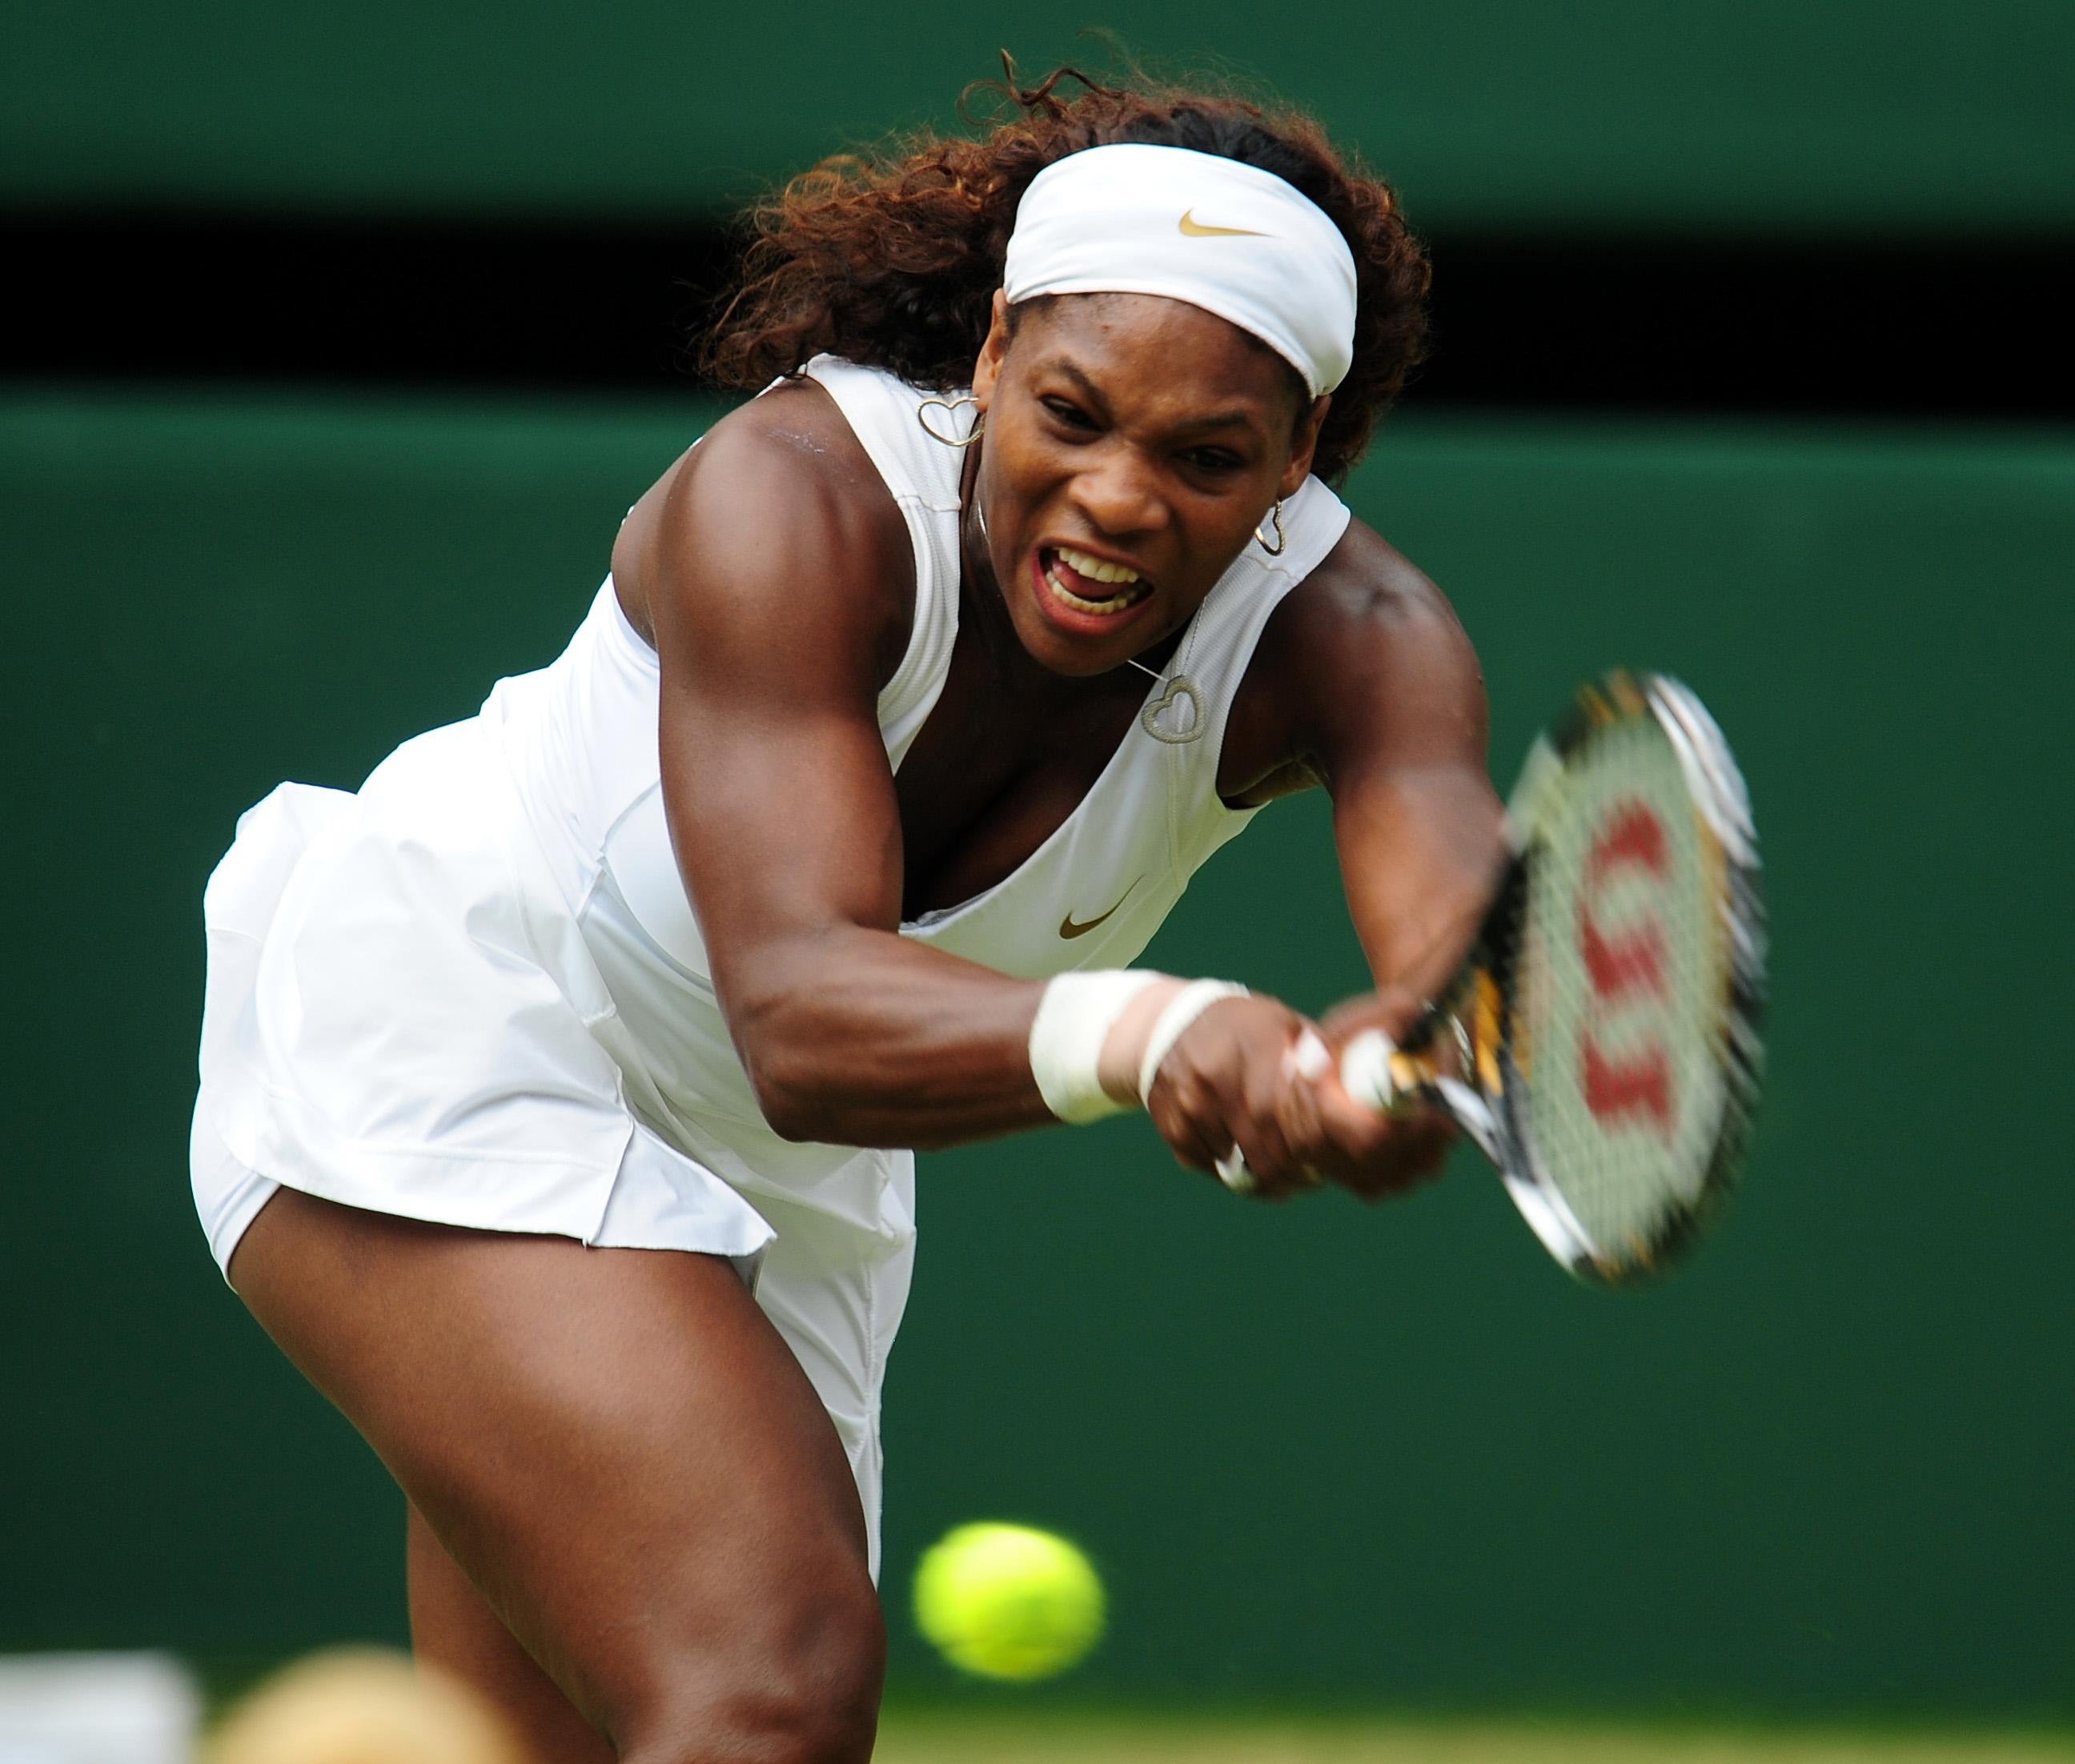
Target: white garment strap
{"type": "Point", "coordinates": [1074, 1020]}
{"type": "Point", "coordinates": [1186, 1005]}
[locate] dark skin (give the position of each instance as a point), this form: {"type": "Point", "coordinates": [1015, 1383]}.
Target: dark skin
{"type": "Point", "coordinates": [632, 1526]}
{"type": "Point", "coordinates": [776, 636]}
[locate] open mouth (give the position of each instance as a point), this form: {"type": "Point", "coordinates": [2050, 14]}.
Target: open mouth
{"type": "Point", "coordinates": [1091, 584]}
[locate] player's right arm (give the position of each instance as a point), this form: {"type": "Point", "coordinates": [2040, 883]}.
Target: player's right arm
{"type": "Point", "coordinates": [778, 582]}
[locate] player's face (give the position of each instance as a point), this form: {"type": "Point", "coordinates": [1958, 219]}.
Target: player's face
{"type": "Point", "coordinates": [1134, 443]}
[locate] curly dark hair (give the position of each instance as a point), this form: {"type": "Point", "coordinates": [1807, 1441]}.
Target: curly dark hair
{"type": "Point", "coordinates": [892, 260]}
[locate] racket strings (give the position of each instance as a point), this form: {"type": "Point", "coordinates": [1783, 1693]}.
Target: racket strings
{"type": "Point", "coordinates": [1619, 1032]}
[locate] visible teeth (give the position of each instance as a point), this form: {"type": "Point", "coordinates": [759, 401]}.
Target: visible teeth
{"type": "Point", "coordinates": [1115, 603]}
{"type": "Point", "coordinates": [1094, 568]}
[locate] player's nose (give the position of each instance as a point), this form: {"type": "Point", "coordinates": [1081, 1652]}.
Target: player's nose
{"type": "Point", "coordinates": [1119, 496]}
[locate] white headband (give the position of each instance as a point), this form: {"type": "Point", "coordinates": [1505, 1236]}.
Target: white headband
{"type": "Point", "coordinates": [1231, 238]}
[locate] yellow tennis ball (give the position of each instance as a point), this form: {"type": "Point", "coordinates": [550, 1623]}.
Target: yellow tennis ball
{"type": "Point", "coordinates": [362, 1706]}
{"type": "Point", "coordinates": [1008, 1601]}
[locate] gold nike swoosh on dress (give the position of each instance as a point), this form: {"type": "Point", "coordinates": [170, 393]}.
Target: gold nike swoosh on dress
{"type": "Point", "coordinates": [1194, 229]}
{"type": "Point", "coordinates": [1068, 928]}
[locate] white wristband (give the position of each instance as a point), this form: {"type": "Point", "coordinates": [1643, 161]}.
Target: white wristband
{"type": "Point", "coordinates": [1186, 1005]}
{"type": "Point", "coordinates": [1074, 1020]}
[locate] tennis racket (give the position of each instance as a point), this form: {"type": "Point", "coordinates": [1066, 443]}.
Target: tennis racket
{"type": "Point", "coordinates": [1601, 1042]}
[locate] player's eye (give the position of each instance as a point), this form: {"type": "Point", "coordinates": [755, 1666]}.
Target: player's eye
{"type": "Point", "coordinates": [1068, 413]}
{"type": "Point", "coordinates": [1213, 459]}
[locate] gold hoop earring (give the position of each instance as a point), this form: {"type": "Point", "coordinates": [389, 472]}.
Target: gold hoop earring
{"type": "Point", "coordinates": [951, 407]}
{"type": "Point", "coordinates": [1281, 539]}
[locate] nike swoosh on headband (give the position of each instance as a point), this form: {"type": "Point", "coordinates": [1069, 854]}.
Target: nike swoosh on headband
{"type": "Point", "coordinates": [1068, 929]}
{"type": "Point", "coordinates": [1191, 228]}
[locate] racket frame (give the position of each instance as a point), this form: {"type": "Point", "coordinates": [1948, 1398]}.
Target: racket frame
{"type": "Point", "coordinates": [1476, 1080]}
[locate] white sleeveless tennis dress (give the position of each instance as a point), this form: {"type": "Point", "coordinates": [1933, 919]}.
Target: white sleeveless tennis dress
{"type": "Point", "coordinates": [475, 991]}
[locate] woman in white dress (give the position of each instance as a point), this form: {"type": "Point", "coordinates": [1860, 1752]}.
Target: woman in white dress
{"type": "Point", "coordinates": [559, 1086]}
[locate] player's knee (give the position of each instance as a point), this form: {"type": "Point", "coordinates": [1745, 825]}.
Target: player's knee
{"type": "Point", "coordinates": [820, 1704]}
{"type": "Point", "coordinates": [806, 1693]}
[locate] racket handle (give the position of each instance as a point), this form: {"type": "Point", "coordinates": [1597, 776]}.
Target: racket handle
{"type": "Point", "coordinates": [1232, 1171]}
{"type": "Point", "coordinates": [1374, 1072]}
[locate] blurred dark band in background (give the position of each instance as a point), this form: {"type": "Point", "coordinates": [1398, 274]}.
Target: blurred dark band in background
{"type": "Point", "coordinates": [1921, 327]}
{"type": "Point", "coordinates": [347, 331]}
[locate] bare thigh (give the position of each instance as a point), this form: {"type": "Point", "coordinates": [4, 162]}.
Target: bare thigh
{"type": "Point", "coordinates": [618, 1451]}
{"type": "Point", "coordinates": [453, 1626]}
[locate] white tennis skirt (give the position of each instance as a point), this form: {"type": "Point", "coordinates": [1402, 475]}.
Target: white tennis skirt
{"type": "Point", "coordinates": [397, 1017]}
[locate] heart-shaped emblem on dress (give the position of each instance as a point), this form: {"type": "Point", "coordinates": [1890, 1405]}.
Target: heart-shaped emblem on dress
{"type": "Point", "coordinates": [1185, 724]}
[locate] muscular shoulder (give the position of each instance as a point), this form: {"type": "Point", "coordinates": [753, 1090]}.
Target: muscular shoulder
{"type": "Point", "coordinates": [778, 516]}
{"type": "Point", "coordinates": [1364, 663]}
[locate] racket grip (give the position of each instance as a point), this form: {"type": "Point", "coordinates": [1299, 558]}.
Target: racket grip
{"type": "Point", "coordinates": [1374, 1072]}
{"type": "Point", "coordinates": [1365, 1069]}
{"type": "Point", "coordinates": [1232, 1171]}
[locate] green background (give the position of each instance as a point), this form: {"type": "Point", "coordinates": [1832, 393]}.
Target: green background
{"type": "Point", "coordinates": [1321, 1453]}
{"type": "Point", "coordinates": [1812, 116]}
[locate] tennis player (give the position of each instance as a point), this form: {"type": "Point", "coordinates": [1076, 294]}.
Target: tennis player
{"type": "Point", "coordinates": [559, 1087]}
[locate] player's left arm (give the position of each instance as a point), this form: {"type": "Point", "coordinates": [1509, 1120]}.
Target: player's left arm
{"type": "Point", "coordinates": [1374, 691]}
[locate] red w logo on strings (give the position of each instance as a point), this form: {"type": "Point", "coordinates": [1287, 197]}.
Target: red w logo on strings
{"type": "Point", "coordinates": [1625, 967]}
